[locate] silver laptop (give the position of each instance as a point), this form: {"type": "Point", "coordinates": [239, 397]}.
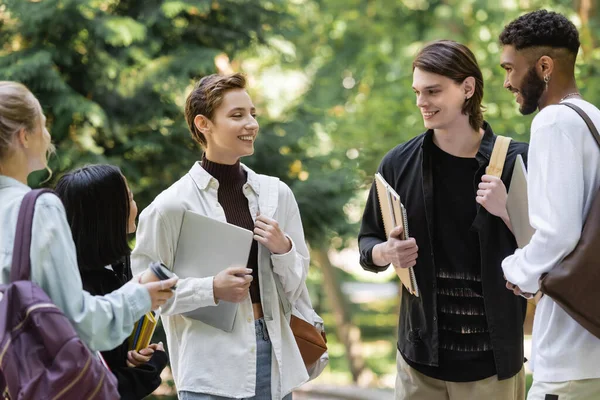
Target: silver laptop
{"type": "Point", "coordinates": [207, 246]}
{"type": "Point", "coordinates": [517, 204]}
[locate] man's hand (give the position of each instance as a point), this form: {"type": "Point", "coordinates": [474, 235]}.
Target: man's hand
{"type": "Point", "coordinates": [268, 233]}
{"type": "Point", "coordinates": [232, 284]}
{"type": "Point", "coordinates": [400, 253]}
{"type": "Point", "coordinates": [492, 196]}
{"type": "Point", "coordinates": [517, 291]}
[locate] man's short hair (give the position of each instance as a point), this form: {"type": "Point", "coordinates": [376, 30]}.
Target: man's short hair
{"type": "Point", "coordinates": [207, 96]}
{"type": "Point", "coordinates": [541, 28]}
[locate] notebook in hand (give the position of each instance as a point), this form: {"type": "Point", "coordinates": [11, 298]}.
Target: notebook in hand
{"type": "Point", "coordinates": [143, 330]}
{"type": "Point", "coordinates": [206, 247]}
{"type": "Point", "coordinates": [394, 214]}
{"type": "Point", "coordinates": [517, 204]}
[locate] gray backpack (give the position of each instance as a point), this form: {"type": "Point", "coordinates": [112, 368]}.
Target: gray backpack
{"type": "Point", "coordinates": [41, 356]}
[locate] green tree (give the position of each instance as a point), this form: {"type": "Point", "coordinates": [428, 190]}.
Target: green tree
{"type": "Point", "coordinates": [358, 57]}
{"type": "Point", "coordinates": [112, 75]}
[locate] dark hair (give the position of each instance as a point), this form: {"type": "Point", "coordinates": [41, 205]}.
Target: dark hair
{"type": "Point", "coordinates": [541, 28]}
{"type": "Point", "coordinates": [207, 96]}
{"type": "Point", "coordinates": [97, 204]}
{"type": "Point", "coordinates": [455, 61]}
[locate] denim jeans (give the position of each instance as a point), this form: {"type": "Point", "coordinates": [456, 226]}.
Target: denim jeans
{"type": "Point", "coordinates": [263, 370]}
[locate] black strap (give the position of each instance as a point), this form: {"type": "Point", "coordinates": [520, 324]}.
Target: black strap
{"type": "Point", "coordinates": [587, 120]}
{"type": "Point", "coordinates": [21, 263]}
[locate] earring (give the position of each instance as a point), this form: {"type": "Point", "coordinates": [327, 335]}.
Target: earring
{"type": "Point", "coordinates": [546, 80]}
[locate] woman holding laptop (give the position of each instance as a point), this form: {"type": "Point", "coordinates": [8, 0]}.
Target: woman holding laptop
{"type": "Point", "coordinates": [259, 358]}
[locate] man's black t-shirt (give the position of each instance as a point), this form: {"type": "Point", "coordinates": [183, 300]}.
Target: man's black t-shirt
{"type": "Point", "coordinates": [465, 352]}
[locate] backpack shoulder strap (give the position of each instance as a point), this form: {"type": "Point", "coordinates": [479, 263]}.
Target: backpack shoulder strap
{"type": "Point", "coordinates": [267, 205]}
{"type": "Point", "coordinates": [21, 263]}
{"type": "Point", "coordinates": [587, 120]}
{"type": "Point", "coordinates": [498, 156]}
{"type": "Point", "coordinates": [268, 198]}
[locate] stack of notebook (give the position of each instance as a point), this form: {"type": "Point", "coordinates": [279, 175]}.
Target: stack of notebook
{"type": "Point", "coordinates": [143, 331]}
{"type": "Point", "coordinates": [394, 214]}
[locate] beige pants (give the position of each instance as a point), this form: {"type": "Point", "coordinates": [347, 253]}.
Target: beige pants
{"type": "Point", "coordinates": [413, 385]}
{"type": "Point", "coordinates": [585, 389]}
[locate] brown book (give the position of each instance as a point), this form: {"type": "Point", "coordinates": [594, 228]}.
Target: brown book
{"type": "Point", "coordinates": [394, 214]}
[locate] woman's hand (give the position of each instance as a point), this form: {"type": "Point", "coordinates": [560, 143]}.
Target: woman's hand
{"type": "Point", "coordinates": [268, 233]}
{"type": "Point", "coordinates": [135, 359]}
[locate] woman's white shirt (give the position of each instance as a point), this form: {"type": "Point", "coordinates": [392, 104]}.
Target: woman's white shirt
{"type": "Point", "coordinates": [205, 359]}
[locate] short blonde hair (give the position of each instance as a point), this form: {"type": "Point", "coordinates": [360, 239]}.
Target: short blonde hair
{"type": "Point", "coordinates": [19, 109]}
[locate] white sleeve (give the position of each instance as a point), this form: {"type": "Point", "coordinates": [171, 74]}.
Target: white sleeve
{"type": "Point", "coordinates": [102, 322]}
{"type": "Point", "coordinates": [156, 240]}
{"type": "Point", "coordinates": [556, 197]}
{"type": "Point", "coordinates": [292, 267]}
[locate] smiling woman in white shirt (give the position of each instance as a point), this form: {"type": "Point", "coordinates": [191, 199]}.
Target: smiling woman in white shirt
{"type": "Point", "coordinates": [259, 359]}
{"type": "Point", "coordinates": [102, 322]}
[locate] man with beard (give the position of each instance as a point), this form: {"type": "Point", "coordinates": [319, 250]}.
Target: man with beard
{"type": "Point", "coordinates": [462, 338]}
{"type": "Point", "coordinates": [539, 52]}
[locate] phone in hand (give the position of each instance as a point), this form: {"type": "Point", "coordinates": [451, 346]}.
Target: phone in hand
{"type": "Point", "coordinates": [161, 271]}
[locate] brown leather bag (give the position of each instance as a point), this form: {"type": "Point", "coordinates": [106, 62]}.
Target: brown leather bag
{"type": "Point", "coordinates": [573, 284]}
{"type": "Point", "coordinates": [311, 342]}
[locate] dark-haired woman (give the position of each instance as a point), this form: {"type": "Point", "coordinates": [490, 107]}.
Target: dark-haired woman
{"type": "Point", "coordinates": [101, 212]}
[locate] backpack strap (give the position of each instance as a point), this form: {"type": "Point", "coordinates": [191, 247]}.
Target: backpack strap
{"type": "Point", "coordinates": [587, 120]}
{"type": "Point", "coordinates": [21, 263]}
{"type": "Point", "coordinates": [498, 156]}
{"type": "Point", "coordinates": [267, 204]}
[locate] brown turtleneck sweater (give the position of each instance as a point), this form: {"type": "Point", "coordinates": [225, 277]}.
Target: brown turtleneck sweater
{"type": "Point", "coordinates": [231, 196]}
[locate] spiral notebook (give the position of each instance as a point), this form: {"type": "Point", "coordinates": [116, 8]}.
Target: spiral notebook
{"type": "Point", "coordinates": [394, 214]}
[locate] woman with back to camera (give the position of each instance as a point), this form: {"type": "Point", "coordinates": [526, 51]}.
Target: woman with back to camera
{"type": "Point", "coordinates": [259, 359]}
{"type": "Point", "coordinates": [101, 212]}
{"type": "Point", "coordinates": [101, 322]}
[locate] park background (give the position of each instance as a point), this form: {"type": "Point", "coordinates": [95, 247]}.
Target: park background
{"type": "Point", "coordinates": [332, 83]}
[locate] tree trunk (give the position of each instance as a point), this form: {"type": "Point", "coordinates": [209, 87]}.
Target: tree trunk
{"type": "Point", "coordinates": [584, 10]}
{"type": "Point", "coordinates": [347, 332]}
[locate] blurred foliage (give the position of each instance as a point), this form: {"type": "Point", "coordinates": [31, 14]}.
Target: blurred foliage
{"type": "Point", "coordinates": [112, 77]}
{"type": "Point", "coordinates": [359, 56]}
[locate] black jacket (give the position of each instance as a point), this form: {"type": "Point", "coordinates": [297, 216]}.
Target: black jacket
{"type": "Point", "coordinates": [408, 169]}
{"type": "Point", "coordinates": [134, 383]}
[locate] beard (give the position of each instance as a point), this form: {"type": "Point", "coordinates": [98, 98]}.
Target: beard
{"type": "Point", "coordinates": [531, 90]}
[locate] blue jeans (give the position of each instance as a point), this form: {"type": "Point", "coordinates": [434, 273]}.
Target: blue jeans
{"type": "Point", "coordinates": [263, 370]}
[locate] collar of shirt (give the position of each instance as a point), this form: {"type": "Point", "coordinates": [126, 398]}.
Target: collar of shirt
{"type": "Point", "coordinates": [7, 181]}
{"type": "Point", "coordinates": [203, 179]}
{"type": "Point", "coordinates": [485, 148]}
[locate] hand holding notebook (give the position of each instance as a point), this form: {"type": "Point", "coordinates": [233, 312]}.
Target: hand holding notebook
{"type": "Point", "coordinates": [395, 222]}
{"type": "Point", "coordinates": [143, 331]}
{"type": "Point", "coordinates": [401, 252]}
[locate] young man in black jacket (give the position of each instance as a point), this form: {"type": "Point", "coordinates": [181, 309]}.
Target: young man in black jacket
{"type": "Point", "coordinates": [462, 338]}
